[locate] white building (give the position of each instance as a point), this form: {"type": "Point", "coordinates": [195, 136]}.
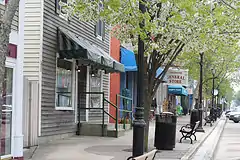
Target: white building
{"type": "Point", "coordinates": [12, 137]}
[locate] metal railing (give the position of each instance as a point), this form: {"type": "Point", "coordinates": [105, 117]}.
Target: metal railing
{"type": "Point", "coordinates": [116, 106]}
{"type": "Point", "coordinates": [126, 103]}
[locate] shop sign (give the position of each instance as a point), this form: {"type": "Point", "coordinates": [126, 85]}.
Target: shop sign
{"type": "Point", "coordinates": [12, 50]}
{"type": "Point", "coordinates": [177, 77]}
{"type": "Point", "coordinates": [190, 90]}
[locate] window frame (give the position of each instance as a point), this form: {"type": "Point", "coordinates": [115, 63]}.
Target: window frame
{"type": "Point", "coordinates": [72, 108]}
{"type": "Point", "coordinates": [100, 36]}
{"type": "Point", "coordinates": [59, 12]}
{"type": "Point", "coordinates": [101, 86]}
{"type": "Point", "coordinates": [100, 21]}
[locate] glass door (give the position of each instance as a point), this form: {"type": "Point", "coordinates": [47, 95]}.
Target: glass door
{"type": "Point", "coordinates": [6, 128]}
{"type": "Point", "coordinates": [95, 86]}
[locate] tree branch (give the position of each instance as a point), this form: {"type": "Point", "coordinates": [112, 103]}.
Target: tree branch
{"type": "Point", "coordinates": [158, 80]}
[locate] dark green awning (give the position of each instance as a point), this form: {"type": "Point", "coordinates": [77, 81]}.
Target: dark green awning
{"type": "Point", "coordinates": [71, 46]}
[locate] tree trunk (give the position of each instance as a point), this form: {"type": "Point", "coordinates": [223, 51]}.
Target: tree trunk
{"type": "Point", "coordinates": [147, 106]}
{"type": "Point", "coordinates": [5, 30]}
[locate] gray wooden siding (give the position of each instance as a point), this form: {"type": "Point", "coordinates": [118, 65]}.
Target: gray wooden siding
{"type": "Point", "coordinates": [15, 19]}
{"type": "Point", "coordinates": [32, 41]}
{"type": "Point", "coordinates": [53, 121]}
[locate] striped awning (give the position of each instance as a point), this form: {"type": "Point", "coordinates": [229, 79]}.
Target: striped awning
{"type": "Point", "coordinates": [72, 46]}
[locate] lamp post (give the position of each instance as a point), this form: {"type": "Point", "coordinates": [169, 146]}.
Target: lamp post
{"type": "Point", "coordinates": [213, 73]}
{"type": "Point", "coordinates": [200, 106]}
{"type": "Point", "coordinates": [139, 123]}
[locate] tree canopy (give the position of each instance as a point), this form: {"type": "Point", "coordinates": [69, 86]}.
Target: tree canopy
{"type": "Point", "coordinates": [192, 26]}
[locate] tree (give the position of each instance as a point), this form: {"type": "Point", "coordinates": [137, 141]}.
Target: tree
{"type": "Point", "coordinates": [223, 60]}
{"type": "Point", "coordinates": [170, 27]}
{"type": "Point", "coordinates": [5, 29]}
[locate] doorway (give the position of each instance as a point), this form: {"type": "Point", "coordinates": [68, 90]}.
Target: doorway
{"type": "Point", "coordinates": [82, 87]}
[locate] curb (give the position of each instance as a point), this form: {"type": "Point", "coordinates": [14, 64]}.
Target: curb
{"type": "Point", "coordinates": [213, 152]}
{"type": "Point", "coordinates": [197, 145]}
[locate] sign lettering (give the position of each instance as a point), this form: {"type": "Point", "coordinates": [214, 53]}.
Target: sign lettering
{"type": "Point", "coordinates": [177, 77]}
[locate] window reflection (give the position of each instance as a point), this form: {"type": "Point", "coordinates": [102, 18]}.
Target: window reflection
{"type": "Point", "coordinates": [95, 86]}
{"type": "Point", "coordinates": [6, 130]}
{"type": "Point", "coordinates": [64, 84]}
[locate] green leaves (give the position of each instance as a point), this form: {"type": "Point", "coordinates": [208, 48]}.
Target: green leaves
{"type": "Point", "coordinates": [202, 25]}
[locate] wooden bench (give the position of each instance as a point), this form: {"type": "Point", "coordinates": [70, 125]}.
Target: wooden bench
{"type": "Point", "coordinates": [188, 132]}
{"type": "Point", "coordinates": [209, 120]}
{"type": "Point", "coordinates": [147, 156]}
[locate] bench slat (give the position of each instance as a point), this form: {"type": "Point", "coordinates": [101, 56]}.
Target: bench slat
{"type": "Point", "coordinates": [147, 156]}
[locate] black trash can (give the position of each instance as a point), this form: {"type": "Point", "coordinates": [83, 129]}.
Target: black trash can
{"type": "Point", "coordinates": [194, 117]}
{"type": "Point", "coordinates": [174, 123]}
{"type": "Point", "coordinates": [165, 131]}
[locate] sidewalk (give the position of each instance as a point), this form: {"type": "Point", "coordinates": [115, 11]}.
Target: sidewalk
{"type": "Point", "coordinates": [182, 149]}
{"type": "Point", "coordinates": [102, 148]}
{"type": "Point", "coordinates": [208, 148]}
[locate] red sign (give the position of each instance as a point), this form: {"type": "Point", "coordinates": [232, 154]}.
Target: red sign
{"type": "Point", "coordinates": [12, 50]}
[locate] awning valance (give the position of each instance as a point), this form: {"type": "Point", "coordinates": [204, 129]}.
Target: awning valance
{"type": "Point", "coordinates": [159, 71]}
{"type": "Point", "coordinates": [177, 90]}
{"type": "Point", "coordinates": [71, 46]}
{"type": "Point", "coordinates": [128, 59]}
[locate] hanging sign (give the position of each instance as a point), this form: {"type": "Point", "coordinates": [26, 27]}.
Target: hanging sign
{"type": "Point", "coordinates": [177, 77]}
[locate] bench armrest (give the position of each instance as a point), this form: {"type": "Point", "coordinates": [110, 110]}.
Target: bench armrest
{"type": "Point", "coordinates": [147, 156]}
{"type": "Point", "coordinates": [130, 158]}
{"type": "Point", "coordinates": [188, 126]}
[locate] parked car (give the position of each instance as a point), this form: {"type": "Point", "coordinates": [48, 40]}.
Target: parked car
{"type": "Point", "coordinates": [226, 112]}
{"type": "Point", "coordinates": [233, 112]}
{"type": "Point", "coordinates": [235, 118]}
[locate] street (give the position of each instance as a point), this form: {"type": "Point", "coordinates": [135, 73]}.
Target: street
{"type": "Point", "coordinates": [229, 144]}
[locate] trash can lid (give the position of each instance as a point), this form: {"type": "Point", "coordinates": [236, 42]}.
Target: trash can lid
{"type": "Point", "coordinates": [168, 113]}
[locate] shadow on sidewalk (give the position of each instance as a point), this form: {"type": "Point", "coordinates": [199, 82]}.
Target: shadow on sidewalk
{"type": "Point", "coordinates": [103, 148]}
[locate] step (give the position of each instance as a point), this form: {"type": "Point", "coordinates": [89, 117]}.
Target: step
{"type": "Point", "coordinates": [111, 126]}
{"type": "Point", "coordinates": [112, 133]}
{"type": "Point", "coordinates": [95, 129]}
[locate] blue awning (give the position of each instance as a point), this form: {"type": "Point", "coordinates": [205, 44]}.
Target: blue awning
{"type": "Point", "coordinates": [177, 90]}
{"type": "Point", "coordinates": [159, 71]}
{"type": "Point", "coordinates": [128, 60]}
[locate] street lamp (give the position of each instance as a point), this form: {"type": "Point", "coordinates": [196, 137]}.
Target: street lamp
{"type": "Point", "coordinates": [200, 107]}
{"type": "Point", "coordinates": [213, 73]}
{"type": "Point", "coordinates": [139, 123]}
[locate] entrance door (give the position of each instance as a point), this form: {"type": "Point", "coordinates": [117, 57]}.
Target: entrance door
{"type": "Point", "coordinates": [7, 108]}
{"type": "Point", "coordinates": [81, 97]}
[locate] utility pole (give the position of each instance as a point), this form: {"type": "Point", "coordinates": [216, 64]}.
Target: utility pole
{"type": "Point", "coordinates": [200, 108]}
{"type": "Point", "coordinates": [139, 123]}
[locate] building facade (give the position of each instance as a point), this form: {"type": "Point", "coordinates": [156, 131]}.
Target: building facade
{"type": "Point", "coordinates": [11, 127]}
{"type": "Point", "coordinates": [64, 60]}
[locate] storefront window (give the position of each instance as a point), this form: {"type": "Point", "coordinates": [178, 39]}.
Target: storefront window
{"type": "Point", "coordinates": [6, 130]}
{"type": "Point", "coordinates": [95, 86]}
{"type": "Point", "coordinates": [64, 85]}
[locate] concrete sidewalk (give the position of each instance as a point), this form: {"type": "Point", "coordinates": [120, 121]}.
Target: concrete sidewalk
{"type": "Point", "coordinates": [102, 148]}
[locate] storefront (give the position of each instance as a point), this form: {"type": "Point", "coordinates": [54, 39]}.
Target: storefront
{"type": "Point", "coordinates": [89, 72]}
{"type": "Point", "coordinates": [8, 103]}
{"type": "Point", "coordinates": [161, 93]}
{"type": "Point", "coordinates": [175, 95]}
{"type": "Point", "coordinates": [128, 79]}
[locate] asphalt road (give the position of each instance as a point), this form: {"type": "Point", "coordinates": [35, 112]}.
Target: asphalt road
{"type": "Point", "coordinates": [229, 144]}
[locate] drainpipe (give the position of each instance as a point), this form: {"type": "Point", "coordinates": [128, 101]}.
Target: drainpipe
{"type": "Point", "coordinates": [18, 107]}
